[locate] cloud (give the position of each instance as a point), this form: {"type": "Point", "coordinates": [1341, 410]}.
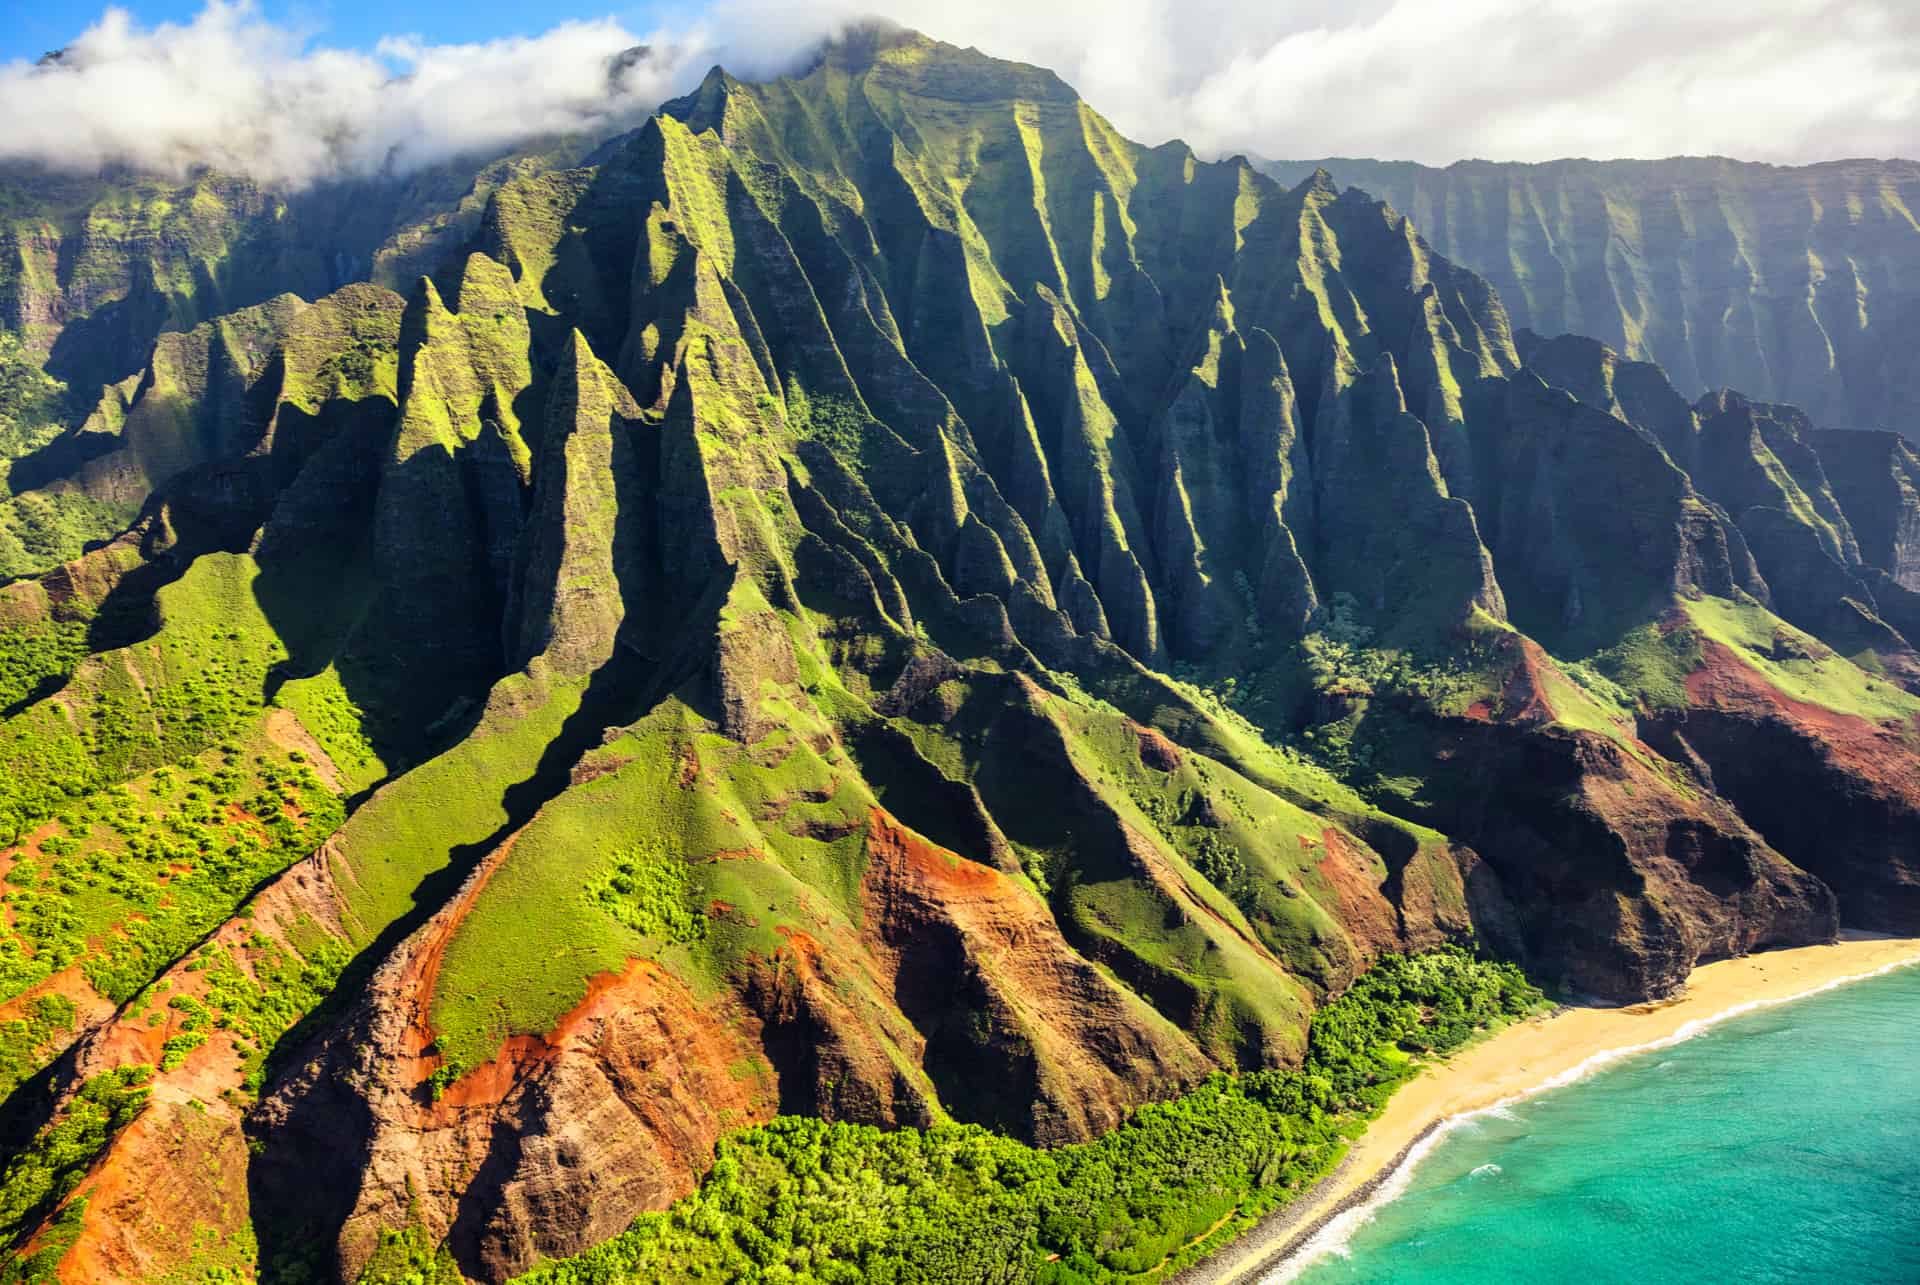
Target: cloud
{"type": "Point", "coordinates": [1439, 80]}
{"type": "Point", "coordinates": [1429, 80]}
{"type": "Point", "coordinates": [234, 92]}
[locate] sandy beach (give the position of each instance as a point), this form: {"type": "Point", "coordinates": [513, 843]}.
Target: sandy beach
{"type": "Point", "coordinates": [1526, 1058]}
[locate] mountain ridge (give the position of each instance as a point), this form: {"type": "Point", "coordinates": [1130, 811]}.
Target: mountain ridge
{"type": "Point", "coordinates": [1784, 282]}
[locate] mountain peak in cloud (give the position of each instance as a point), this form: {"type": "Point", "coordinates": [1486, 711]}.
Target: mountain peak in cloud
{"type": "Point", "coordinates": [1763, 80]}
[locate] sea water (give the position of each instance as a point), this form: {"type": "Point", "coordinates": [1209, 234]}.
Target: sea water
{"type": "Point", "coordinates": [1782, 1145]}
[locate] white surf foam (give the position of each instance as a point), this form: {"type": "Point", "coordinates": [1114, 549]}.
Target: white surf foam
{"type": "Point", "coordinates": [1335, 1237]}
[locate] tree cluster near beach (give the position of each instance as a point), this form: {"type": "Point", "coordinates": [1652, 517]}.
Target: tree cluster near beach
{"type": "Point", "coordinates": [803, 1201]}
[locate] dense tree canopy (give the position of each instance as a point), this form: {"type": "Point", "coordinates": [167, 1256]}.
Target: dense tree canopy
{"type": "Point", "coordinates": [805, 1200]}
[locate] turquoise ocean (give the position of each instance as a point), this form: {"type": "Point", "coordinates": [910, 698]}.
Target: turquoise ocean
{"type": "Point", "coordinates": [1781, 1145]}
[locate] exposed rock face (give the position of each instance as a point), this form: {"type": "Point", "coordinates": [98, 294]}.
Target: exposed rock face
{"type": "Point", "coordinates": [1837, 793]}
{"type": "Point", "coordinates": [1791, 283]}
{"type": "Point", "coordinates": [1876, 477]}
{"type": "Point", "coordinates": [769, 576]}
{"type": "Point", "coordinates": [189, 1149]}
{"type": "Point", "coordinates": [1625, 870]}
{"type": "Point", "coordinates": [550, 1147]}
{"type": "Point", "coordinates": [1788, 525]}
{"type": "Point", "coordinates": [92, 270]}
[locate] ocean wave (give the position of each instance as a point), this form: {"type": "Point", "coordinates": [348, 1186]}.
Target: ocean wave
{"type": "Point", "coordinates": [1487, 1170]}
{"type": "Point", "coordinates": [1335, 1236]}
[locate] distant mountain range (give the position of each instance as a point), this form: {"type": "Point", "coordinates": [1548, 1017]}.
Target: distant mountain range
{"type": "Point", "coordinates": [1797, 284]}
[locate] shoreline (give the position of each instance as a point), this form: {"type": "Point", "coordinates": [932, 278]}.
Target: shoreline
{"type": "Point", "coordinates": [1519, 1061]}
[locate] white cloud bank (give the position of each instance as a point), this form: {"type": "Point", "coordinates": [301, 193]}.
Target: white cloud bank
{"type": "Point", "coordinates": [1438, 80]}
{"type": "Point", "coordinates": [234, 92]}
{"type": "Point", "coordinates": [1429, 80]}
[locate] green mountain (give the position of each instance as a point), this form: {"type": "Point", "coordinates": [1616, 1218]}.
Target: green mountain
{"type": "Point", "coordinates": [877, 600]}
{"type": "Point", "coordinates": [94, 269]}
{"type": "Point", "coordinates": [1791, 283]}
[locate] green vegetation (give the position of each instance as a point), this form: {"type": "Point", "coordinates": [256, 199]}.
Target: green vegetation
{"type": "Point", "coordinates": [1651, 663]}
{"type": "Point", "coordinates": [1579, 213]}
{"type": "Point", "coordinates": [144, 803]}
{"type": "Point", "coordinates": [1360, 691]}
{"type": "Point", "coordinates": [903, 330]}
{"type": "Point", "coordinates": [26, 1041]}
{"type": "Point", "coordinates": [411, 828]}
{"type": "Point", "coordinates": [196, 683]}
{"type": "Point", "coordinates": [37, 654]}
{"type": "Point", "coordinates": [802, 1201]}
{"type": "Point", "coordinates": [50, 1166]}
{"type": "Point", "coordinates": [39, 529]}
{"type": "Point", "coordinates": [127, 878]}
{"type": "Point", "coordinates": [673, 818]}
{"type": "Point", "coordinates": [410, 1257]}
{"type": "Point", "coordinates": [835, 422]}
{"type": "Point", "coordinates": [1796, 663]}
{"type": "Point", "coordinates": [338, 723]}
{"type": "Point", "coordinates": [32, 402]}
{"type": "Point", "coordinates": [647, 891]}
{"type": "Point", "coordinates": [255, 1005]}
{"type": "Point", "coordinates": [1341, 655]}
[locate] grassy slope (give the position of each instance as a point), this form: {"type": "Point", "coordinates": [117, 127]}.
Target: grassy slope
{"type": "Point", "coordinates": [1797, 664]}
{"type": "Point", "coordinates": [147, 799]}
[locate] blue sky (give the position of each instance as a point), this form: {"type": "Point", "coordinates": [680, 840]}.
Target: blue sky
{"type": "Point", "coordinates": [29, 28]}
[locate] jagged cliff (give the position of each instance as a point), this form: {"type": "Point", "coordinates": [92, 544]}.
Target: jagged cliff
{"type": "Point", "coordinates": [1791, 283]}
{"type": "Point", "coordinates": [93, 269]}
{"type": "Point", "coordinates": [883, 599]}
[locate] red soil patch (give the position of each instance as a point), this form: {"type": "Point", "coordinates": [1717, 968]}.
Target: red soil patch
{"type": "Point", "coordinates": [130, 1040]}
{"type": "Point", "coordinates": [1364, 909]}
{"type": "Point", "coordinates": [185, 1154]}
{"type": "Point", "coordinates": [1881, 754]}
{"type": "Point", "coordinates": [521, 1056]}
{"type": "Point", "coordinates": [825, 831]}
{"type": "Point", "coordinates": [166, 1161]}
{"type": "Point", "coordinates": [489, 1084]}
{"type": "Point", "coordinates": [933, 919]}
{"type": "Point", "coordinates": [803, 946]}
{"type": "Point", "coordinates": [592, 770]}
{"type": "Point", "coordinates": [1156, 751]}
{"type": "Point", "coordinates": [1524, 700]}
{"type": "Point", "coordinates": [1728, 683]}
{"type": "Point", "coordinates": [891, 842]}
{"type": "Point", "coordinates": [733, 854]}
{"type": "Point", "coordinates": [422, 973]}
{"type": "Point", "coordinates": [91, 1008]}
